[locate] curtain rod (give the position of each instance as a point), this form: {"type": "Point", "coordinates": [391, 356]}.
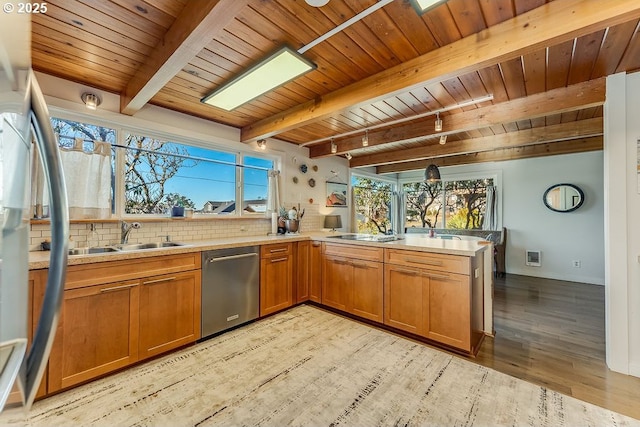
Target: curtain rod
{"type": "Point", "coordinates": [222, 162]}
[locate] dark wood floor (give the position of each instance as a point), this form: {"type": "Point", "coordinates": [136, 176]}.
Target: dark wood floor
{"type": "Point", "coordinates": [551, 333]}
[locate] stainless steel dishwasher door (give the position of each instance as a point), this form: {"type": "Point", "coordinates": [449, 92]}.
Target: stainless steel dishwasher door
{"type": "Point", "coordinates": [230, 288]}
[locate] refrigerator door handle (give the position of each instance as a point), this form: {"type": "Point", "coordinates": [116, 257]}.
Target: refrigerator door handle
{"type": "Point", "coordinates": [43, 339]}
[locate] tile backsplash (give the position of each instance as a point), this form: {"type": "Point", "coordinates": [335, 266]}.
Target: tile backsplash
{"type": "Point", "coordinates": [182, 230]}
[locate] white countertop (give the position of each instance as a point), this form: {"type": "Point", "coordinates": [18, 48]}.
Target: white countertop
{"type": "Point", "coordinates": [415, 242]}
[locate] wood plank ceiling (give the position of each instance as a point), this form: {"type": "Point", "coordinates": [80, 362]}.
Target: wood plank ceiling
{"type": "Point", "coordinates": [544, 63]}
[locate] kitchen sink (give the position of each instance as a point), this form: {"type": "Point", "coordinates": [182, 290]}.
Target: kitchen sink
{"type": "Point", "coordinates": [93, 250]}
{"type": "Point", "coordinates": [153, 245]}
{"type": "Point", "coordinates": [380, 238]}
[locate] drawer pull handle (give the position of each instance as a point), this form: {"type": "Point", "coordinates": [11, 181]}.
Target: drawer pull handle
{"type": "Point", "coordinates": [117, 288]}
{"type": "Point", "coordinates": [165, 279]}
{"type": "Point", "coordinates": [359, 265]}
{"type": "Point", "coordinates": [279, 259]}
{"type": "Point", "coordinates": [316, 244]}
{"type": "Point", "coordinates": [415, 261]}
{"type": "Point", "coordinates": [273, 251]}
{"type": "Point", "coordinates": [407, 272]}
{"type": "Point", "coordinates": [436, 276]}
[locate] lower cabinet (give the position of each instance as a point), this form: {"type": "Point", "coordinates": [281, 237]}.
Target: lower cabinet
{"type": "Point", "coordinates": [301, 274]}
{"type": "Point", "coordinates": [315, 271]}
{"type": "Point", "coordinates": [97, 333]}
{"type": "Point", "coordinates": [276, 277]}
{"type": "Point", "coordinates": [169, 312]}
{"type": "Point", "coordinates": [352, 280]}
{"type": "Point", "coordinates": [422, 298]}
{"type": "Point", "coordinates": [117, 313]}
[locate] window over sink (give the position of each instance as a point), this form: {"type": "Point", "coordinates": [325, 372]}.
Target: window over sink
{"type": "Point", "coordinates": [147, 174]}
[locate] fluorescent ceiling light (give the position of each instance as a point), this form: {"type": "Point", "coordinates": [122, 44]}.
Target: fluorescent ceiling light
{"type": "Point", "coordinates": [421, 6]}
{"type": "Point", "coordinates": [276, 70]}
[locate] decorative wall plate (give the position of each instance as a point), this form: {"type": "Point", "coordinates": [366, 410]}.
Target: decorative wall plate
{"type": "Point", "coordinates": [315, 168]}
{"type": "Point", "coordinates": [312, 182]}
{"type": "Point", "coordinates": [295, 179]}
{"type": "Point", "coordinates": [303, 168]}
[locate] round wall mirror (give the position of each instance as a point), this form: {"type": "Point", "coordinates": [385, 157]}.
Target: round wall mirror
{"type": "Point", "coordinates": [563, 197]}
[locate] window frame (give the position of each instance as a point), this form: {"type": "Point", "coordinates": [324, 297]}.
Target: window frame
{"type": "Point", "coordinates": [122, 129]}
{"type": "Point", "coordinates": [494, 174]}
{"type": "Point", "coordinates": [395, 222]}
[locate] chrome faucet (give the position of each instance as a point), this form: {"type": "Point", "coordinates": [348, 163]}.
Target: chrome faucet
{"type": "Point", "coordinates": [126, 230]}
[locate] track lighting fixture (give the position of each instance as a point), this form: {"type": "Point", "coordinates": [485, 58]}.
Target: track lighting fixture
{"type": "Point", "coordinates": [438, 126]}
{"type": "Point", "coordinates": [348, 156]}
{"type": "Point", "coordinates": [262, 144]}
{"type": "Point", "coordinates": [443, 139]}
{"type": "Point", "coordinates": [91, 100]}
{"type": "Point", "coordinates": [365, 139]}
{"type": "Point", "coordinates": [334, 147]}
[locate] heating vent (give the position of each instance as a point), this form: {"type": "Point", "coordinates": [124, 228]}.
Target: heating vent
{"type": "Point", "coordinates": [533, 258]}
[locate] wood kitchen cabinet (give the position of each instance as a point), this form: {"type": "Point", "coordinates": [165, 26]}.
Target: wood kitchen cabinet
{"type": "Point", "coordinates": [169, 312]}
{"type": "Point", "coordinates": [301, 275]}
{"type": "Point", "coordinates": [315, 271]}
{"type": "Point", "coordinates": [352, 280]}
{"type": "Point", "coordinates": [118, 312]}
{"type": "Point", "coordinates": [432, 295]}
{"type": "Point", "coordinates": [276, 277]}
{"type": "Point", "coordinates": [97, 333]}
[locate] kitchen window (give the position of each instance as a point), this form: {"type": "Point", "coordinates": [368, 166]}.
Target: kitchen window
{"type": "Point", "coordinates": [152, 174]}
{"type": "Point", "coordinates": [454, 204]}
{"type": "Point", "coordinates": [374, 202]}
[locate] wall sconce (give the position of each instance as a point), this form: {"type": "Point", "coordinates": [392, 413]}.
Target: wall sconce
{"type": "Point", "coordinates": [334, 147]}
{"type": "Point", "coordinates": [348, 156]}
{"type": "Point", "coordinates": [91, 100]}
{"type": "Point", "coordinates": [443, 139]}
{"type": "Point", "coordinates": [262, 144]}
{"type": "Point", "coordinates": [431, 174]}
{"type": "Point", "coordinates": [365, 139]}
{"type": "Point", "coordinates": [438, 126]}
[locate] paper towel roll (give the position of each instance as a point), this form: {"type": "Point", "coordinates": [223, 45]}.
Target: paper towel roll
{"type": "Point", "coordinates": [274, 223]}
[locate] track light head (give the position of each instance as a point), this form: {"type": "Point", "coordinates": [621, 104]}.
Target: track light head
{"type": "Point", "coordinates": [262, 144]}
{"type": "Point", "coordinates": [365, 139]}
{"type": "Point", "coordinates": [438, 126]}
{"type": "Point", "coordinates": [443, 139]}
{"type": "Point", "coordinates": [91, 100]}
{"type": "Point", "coordinates": [334, 147]}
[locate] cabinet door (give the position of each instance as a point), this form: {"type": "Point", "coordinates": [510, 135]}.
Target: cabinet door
{"type": "Point", "coordinates": [302, 272]}
{"type": "Point", "coordinates": [315, 272]}
{"type": "Point", "coordinates": [448, 316]}
{"type": "Point", "coordinates": [276, 291]}
{"type": "Point", "coordinates": [97, 333]}
{"type": "Point", "coordinates": [337, 274]}
{"type": "Point", "coordinates": [404, 295]}
{"type": "Point", "coordinates": [169, 312]}
{"type": "Point", "coordinates": [367, 288]}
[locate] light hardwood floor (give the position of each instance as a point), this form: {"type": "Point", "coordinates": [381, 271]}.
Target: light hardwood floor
{"type": "Point", "coordinates": [551, 333]}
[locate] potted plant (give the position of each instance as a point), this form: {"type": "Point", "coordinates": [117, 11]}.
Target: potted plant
{"type": "Point", "coordinates": [177, 209]}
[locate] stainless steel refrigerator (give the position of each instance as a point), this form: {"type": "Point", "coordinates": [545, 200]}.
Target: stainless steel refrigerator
{"type": "Point", "coordinates": [25, 127]}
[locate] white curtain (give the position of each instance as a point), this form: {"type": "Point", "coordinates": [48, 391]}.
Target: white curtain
{"type": "Point", "coordinates": [273, 192]}
{"type": "Point", "coordinates": [353, 217]}
{"type": "Point", "coordinates": [88, 178]}
{"type": "Point", "coordinates": [401, 200]}
{"type": "Point", "coordinates": [490, 215]}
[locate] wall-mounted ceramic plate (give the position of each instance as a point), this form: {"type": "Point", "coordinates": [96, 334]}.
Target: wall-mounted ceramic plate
{"type": "Point", "coordinates": [312, 182]}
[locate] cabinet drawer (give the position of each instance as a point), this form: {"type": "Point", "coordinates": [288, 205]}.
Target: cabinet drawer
{"type": "Point", "coordinates": [115, 271]}
{"type": "Point", "coordinates": [364, 253]}
{"type": "Point", "coordinates": [449, 263]}
{"type": "Point", "coordinates": [275, 250]}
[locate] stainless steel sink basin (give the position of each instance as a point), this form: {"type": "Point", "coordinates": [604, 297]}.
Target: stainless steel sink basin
{"type": "Point", "coordinates": [93, 250]}
{"type": "Point", "coordinates": [153, 245]}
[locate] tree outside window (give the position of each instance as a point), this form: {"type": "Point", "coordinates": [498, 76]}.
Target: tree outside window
{"type": "Point", "coordinates": [373, 201]}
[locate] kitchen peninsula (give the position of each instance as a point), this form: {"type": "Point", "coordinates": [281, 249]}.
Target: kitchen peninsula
{"type": "Point", "coordinates": [434, 289]}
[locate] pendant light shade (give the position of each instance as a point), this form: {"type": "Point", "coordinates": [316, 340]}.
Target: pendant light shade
{"type": "Point", "coordinates": [432, 174]}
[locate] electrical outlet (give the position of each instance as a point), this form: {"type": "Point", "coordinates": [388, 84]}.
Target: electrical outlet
{"type": "Point", "coordinates": [577, 263]}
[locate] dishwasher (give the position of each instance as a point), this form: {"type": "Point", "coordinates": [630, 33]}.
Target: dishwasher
{"type": "Point", "coordinates": [230, 288]}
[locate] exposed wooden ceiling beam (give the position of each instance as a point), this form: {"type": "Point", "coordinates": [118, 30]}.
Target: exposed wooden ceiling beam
{"type": "Point", "coordinates": [541, 135]}
{"type": "Point", "coordinates": [192, 30]}
{"type": "Point", "coordinates": [550, 24]}
{"type": "Point", "coordinates": [582, 95]}
{"type": "Point", "coordinates": [540, 150]}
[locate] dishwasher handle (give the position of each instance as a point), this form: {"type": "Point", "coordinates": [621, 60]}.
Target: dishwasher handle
{"type": "Point", "coordinates": [230, 257]}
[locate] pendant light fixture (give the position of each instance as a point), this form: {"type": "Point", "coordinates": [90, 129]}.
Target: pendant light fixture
{"type": "Point", "coordinates": [438, 126]}
{"type": "Point", "coordinates": [432, 174]}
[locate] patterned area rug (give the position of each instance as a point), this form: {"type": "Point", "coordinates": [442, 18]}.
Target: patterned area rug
{"type": "Point", "coordinates": [309, 367]}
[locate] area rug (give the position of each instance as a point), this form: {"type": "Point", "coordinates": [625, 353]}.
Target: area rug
{"type": "Point", "coordinates": [309, 367]}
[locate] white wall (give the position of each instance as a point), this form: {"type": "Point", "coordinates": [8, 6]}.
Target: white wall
{"type": "Point", "coordinates": [64, 96]}
{"type": "Point", "coordinates": [560, 237]}
{"type": "Point", "coordinates": [622, 228]}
